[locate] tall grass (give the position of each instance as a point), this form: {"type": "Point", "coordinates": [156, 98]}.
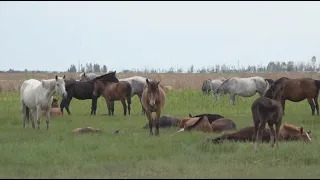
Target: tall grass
{"type": "Point", "coordinates": [57, 153]}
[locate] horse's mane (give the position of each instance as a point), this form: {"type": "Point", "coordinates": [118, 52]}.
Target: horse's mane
{"type": "Point", "coordinates": [226, 81]}
{"type": "Point", "coordinates": [279, 80]}
{"type": "Point", "coordinates": [102, 77]}
{"type": "Point", "coordinates": [291, 128]}
{"type": "Point", "coordinates": [48, 82]}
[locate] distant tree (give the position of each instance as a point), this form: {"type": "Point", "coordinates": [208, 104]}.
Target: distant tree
{"type": "Point", "coordinates": [72, 68]}
{"type": "Point", "coordinates": [104, 69]}
{"type": "Point", "coordinates": [191, 69]}
{"type": "Point", "coordinates": [96, 68]}
{"type": "Point", "coordinates": [290, 66]}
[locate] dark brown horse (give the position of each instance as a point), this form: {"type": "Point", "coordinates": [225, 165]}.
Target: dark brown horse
{"type": "Point", "coordinates": [297, 90]}
{"type": "Point", "coordinates": [265, 110]}
{"type": "Point", "coordinates": [287, 133]}
{"type": "Point", "coordinates": [153, 100]}
{"type": "Point", "coordinates": [113, 92]}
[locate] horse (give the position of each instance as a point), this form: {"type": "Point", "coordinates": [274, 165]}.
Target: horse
{"type": "Point", "coordinates": [153, 100]}
{"type": "Point", "coordinates": [223, 124]}
{"type": "Point", "coordinates": [245, 87]}
{"type": "Point", "coordinates": [114, 91]}
{"type": "Point", "coordinates": [297, 90]}
{"type": "Point", "coordinates": [84, 90]}
{"type": "Point", "coordinates": [87, 76]}
{"type": "Point", "coordinates": [287, 133]}
{"type": "Point", "coordinates": [166, 121]}
{"type": "Point", "coordinates": [199, 124]}
{"type": "Point", "coordinates": [211, 117]}
{"type": "Point", "coordinates": [206, 86]}
{"type": "Point", "coordinates": [137, 84]}
{"type": "Point", "coordinates": [37, 95]}
{"type": "Point", "coordinates": [215, 83]}
{"type": "Point", "coordinates": [265, 110]}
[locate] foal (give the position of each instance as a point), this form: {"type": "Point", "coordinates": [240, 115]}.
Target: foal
{"type": "Point", "coordinates": [153, 100]}
{"type": "Point", "coordinates": [114, 91]}
{"type": "Point", "coordinates": [265, 110]}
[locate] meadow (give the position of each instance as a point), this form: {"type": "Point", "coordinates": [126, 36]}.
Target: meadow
{"type": "Point", "coordinates": [57, 153]}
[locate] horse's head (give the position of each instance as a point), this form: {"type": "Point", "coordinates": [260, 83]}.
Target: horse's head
{"type": "Point", "coordinates": [83, 77]}
{"type": "Point", "coordinates": [221, 89]}
{"type": "Point", "coordinates": [153, 93]}
{"type": "Point", "coordinates": [60, 86]}
{"type": "Point", "coordinates": [305, 136]}
{"type": "Point", "coordinates": [97, 87]}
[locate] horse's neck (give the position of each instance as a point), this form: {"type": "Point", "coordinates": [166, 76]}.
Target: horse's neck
{"type": "Point", "coordinates": [49, 87]}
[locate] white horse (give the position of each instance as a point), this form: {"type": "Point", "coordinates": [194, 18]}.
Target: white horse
{"type": "Point", "coordinates": [37, 95]}
{"type": "Point", "coordinates": [245, 87]}
{"type": "Point", "coordinates": [215, 83]}
{"type": "Point", "coordinates": [137, 83]}
{"type": "Point", "coordinates": [87, 76]}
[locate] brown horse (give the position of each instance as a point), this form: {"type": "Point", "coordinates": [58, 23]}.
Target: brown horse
{"type": "Point", "coordinates": [287, 133]}
{"type": "Point", "coordinates": [153, 100]}
{"type": "Point", "coordinates": [265, 110]}
{"type": "Point", "coordinates": [198, 124]}
{"type": "Point", "coordinates": [297, 90]}
{"type": "Point", "coordinates": [113, 92]}
{"type": "Point", "coordinates": [223, 124]}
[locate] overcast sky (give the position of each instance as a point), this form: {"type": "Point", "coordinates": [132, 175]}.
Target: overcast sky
{"type": "Point", "coordinates": [125, 35]}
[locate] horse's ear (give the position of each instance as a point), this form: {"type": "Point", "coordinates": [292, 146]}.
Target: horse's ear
{"type": "Point", "coordinates": [190, 115]}
{"type": "Point", "coordinates": [309, 132]}
{"type": "Point", "coordinates": [301, 130]}
{"type": "Point", "coordinates": [158, 82]}
{"type": "Point", "coordinates": [56, 77]}
{"type": "Point", "coordinates": [147, 81]}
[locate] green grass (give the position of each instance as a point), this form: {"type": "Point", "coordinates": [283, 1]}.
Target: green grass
{"type": "Point", "coordinates": [57, 153]}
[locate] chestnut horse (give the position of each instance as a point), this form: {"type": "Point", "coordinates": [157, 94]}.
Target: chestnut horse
{"type": "Point", "coordinates": [265, 110]}
{"type": "Point", "coordinates": [216, 126]}
{"type": "Point", "coordinates": [153, 100]}
{"type": "Point", "coordinates": [114, 91]}
{"type": "Point", "coordinates": [287, 133]}
{"type": "Point", "coordinates": [297, 90]}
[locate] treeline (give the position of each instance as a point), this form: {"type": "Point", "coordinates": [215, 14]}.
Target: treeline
{"type": "Point", "coordinates": [272, 66]}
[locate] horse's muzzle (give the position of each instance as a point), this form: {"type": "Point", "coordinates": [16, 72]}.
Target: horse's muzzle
{"type": "Point", "coordinates": [65, 95]}
{"type": "Point", "coordinates": [153, 107]}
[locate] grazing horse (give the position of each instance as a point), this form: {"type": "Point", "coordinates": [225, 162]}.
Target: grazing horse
{"type": "Point", "coordinates": [153, 100]}
{"type": "Point", "coordinates": [297, 90]}
{"type": "Point", "coordinates": [265, 110]}
{"type": "Point", "coordinates": [84, 90]}
{"type": "Point", "coordinates": [214, 85]}
{"type": "Point", "coordinates": [114, 91]}
{"type": "Point", "coordinates": [37, 95]}
{"type": "Point", "coordinates": [206, 86]}
{"type": "Point", "coordinates": [245, 87]}
{"type": "Point", "coordinates": [287, 133]}
{"type": "Point", "coordinates": [211, 117]}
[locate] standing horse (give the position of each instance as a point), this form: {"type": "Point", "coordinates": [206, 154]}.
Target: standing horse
{"type": "Point", "coordinates": [87, 76]}
{"type": "Point", "coordinates": [37, 95]}
{"type": "Point", "coordinates": [265, 110]}
{"type": "Point", "coordinates": [84, 91]}
{"type": "Point", "coordinates": [114, 91]}
{"type": "Point", "coordinates": [245, 87]}
{"type": "Point", "coordinates": [137, 84]}
{"type": "Point", "coordinates": [215, 83]}
{"type": "Point", "coordinates": [297, 90]}
{"type": "Point", "coordinates": [153, 100]}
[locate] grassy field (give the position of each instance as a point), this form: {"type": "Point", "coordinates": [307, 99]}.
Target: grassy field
{"type": "Point", "coordinates": [57, 153]}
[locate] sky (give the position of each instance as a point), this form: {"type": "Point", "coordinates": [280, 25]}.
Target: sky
{"type": "Point", "coordinates": [52, 35]}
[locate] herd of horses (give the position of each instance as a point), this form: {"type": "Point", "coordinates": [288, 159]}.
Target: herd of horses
{"type": "Point", "coordinates": [37, 98]}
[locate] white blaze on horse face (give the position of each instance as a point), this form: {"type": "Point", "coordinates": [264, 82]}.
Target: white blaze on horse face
{"type": "Point", "coordinates": [152, 100]}
{"type": "Point", "coordinates": [308, 136]}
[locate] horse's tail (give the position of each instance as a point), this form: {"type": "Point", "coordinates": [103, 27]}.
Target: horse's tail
{"type": "Point", "coordinates": [28, 114]}
{"type": "Point", "coordinates": [317, 82]}
{"type": "Point", "coordinates": [128, 94]}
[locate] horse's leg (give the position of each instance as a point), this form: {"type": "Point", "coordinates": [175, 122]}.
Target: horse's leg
{"type": "Point", "coordinates": [108, 102]}
{"type": "Point", "coordinates": [157, 121]}
{"type": "Point", "coordinates": [33, 117]}
{"type": "Point", "coordinates": [317, 104]}
{"type": "Point", "coordinates": [124, 105]}
{"type": "Point", "coordinates": [112, 107]}
{"type": "Point", "coordinates": [261, 127]}
{"type": "Point", "coordinates": [48, 117]}
{"type": "Point", "coordinates": [277, 137]}
{"type": "Point", "coordinates": [283, 104]}
{"type": "Point", "coordinates": [310, 101]}
{"type": "Point", "coordinates": [38, 115]}
{"type": "Point", "coordinates": [67, 103]}
{"type": "Point", "coordinates": [24, 113]}
{"type": "Point", "coordinates": [272, 135]}
{"type": "Point", "coordinates": [232, 99]}
{"type": "Point", "coordinates": [143, 111]}
{"type": "Point", "coordinates": [150, 122]}
{"type": "Point", "coordinates": [93, 105]}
